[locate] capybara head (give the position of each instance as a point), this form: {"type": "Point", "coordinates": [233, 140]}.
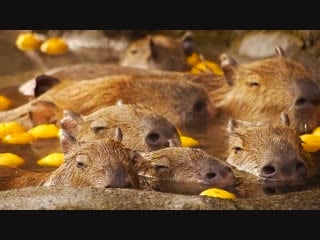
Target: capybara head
{"type": "Point", "coordinates": [142, 129]}
{"type": "Point", "coordinates": [271, 152]}
{"type": "Point", "coordinates": [159, 52]}
{"type": "Point", "coordinates": [185, 104]}
{"type": "Point", "coordinates": [99, 163]}
{"type": "Point", "coordinates": [184, 165]}
{"type": "Point", "coordinates": [265, 88]}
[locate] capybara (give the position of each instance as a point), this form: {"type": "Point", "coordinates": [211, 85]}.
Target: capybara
{"type": "Point", "coordinates": [261, 90]}
{"type": "Point", "coordinates": [107, 163]}
{"type": "Point", "coordinates": [142, 129]}
{"type": "Point", "coordinates": [184, 104]}
{"type": "Point", "coordinates": [183, 165]}
{"type": "Point", "coordinates": [269, 151]}
{"type": "Point", "coordinates": [159, 52]}
{"type": "Point", "coordinates": [43, 82]}
{"type": "Point", "coordinates": [99, 163]}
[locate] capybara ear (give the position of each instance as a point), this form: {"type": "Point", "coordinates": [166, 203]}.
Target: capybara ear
{"type": "Point", "coordinates": [119, 102]}
{"type": "Point", "coordinates": [71, 121]}
{"type": "Point", "coordinates": [67, 141]}
{"type": "Point", "coordinates": [228, 66]}
{"type": "Point", "coordinates": [285, 119]}
{"type": "Point", "coordinates": [43, 112]}
{"type": "Point", "coordinates": [118, 135]}
{"type": "Point", "coordinates": [39, 85]}
{"type": "Point", "coordinates": [135, 156]}
{"type": "Point", "coordinates": [152, 47]}
{"type": "Point", "coordinates": [231, 125]}
{"type": "Point", "coordinates": [187, 43]}
{"type": "Point", "coordinates": [280, 52]}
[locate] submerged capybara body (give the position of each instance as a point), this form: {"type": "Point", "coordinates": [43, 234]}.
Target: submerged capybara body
{"type": "Point", "coordinates": [268, 151]}
{"type": "Point", "coordinates": [152, 52]}
{"type": "Point", "coordinates": [102, 163]}
{"type": "Point", "coordinates": [41, 83]}
{"type": "Point", "coordinates": [184, 104]}
{"type": "Point", "coordinates": [142, 129]}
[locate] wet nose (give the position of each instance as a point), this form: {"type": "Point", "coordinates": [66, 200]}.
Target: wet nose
{"type": "Point", "coordinates": [308, 94]}
{"type": "Point", "coordinates": [284, 170]}
{"type": "Point", "coordinates": [153, 138]}
{"type": "Point", "coordinates": [118, 179]}
{"type": "Point", "coordinates": [159, 137]}
{"type": "Point", "coordinates": [221, 176]}
{"type": "Point", "coordinates": [304, 101]}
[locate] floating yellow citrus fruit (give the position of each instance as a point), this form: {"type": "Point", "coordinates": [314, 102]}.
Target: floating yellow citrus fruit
{"type": "Point", "coordinates": [194, 59]}
{"type": "Point", "coordinates": [311, 143]}
{"type": "Point", "coordinates": [316, 131]}
{"type": "Point", "coordinates": [218, 193]}
{"type": "Point", "coordinates": [28, 41]}
{"type": "Point", "coordinates": [44, 131]}
{"type": "Point", "coordinates": [4, 103]}
{"type": "Point", "coordinates": [206, 67]}
{"type": "Point", "coordinates": [18, 138]}
{"type": "Point", "coordinates": [310, 147]}
{"type": "Point", "coordinates": [54, 46]}
{"type": "Point", "coordinates": [10, 160]}
{"type": "Point", "coordinates": [187, 141]}
{"type": "Point", "coordinates": [59, 134]}
{"type": "Point", "coordinates": [52, 160]}
{"type": "Point", "coordinates": [10, 128]}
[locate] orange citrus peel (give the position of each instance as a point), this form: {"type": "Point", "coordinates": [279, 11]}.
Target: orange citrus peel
{"type": "Point", "coordinates": [218, 193]}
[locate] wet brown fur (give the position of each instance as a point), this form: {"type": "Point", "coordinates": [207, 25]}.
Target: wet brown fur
{"type": "Point", "coordinates": [103, 156]}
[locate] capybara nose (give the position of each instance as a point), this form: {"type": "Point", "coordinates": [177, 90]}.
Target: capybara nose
{"type": "Point", "coordinates": [118, 179]}
{"type": "Point", "coordinates": [284, 170]}
{"type": "Point", "coordinates": [301, 101]}
{"type": "Point", "coordinates": [307, 94]}
{"type": "Point", "coordinates": [153, 138]}
{"type": "Point", "coordinates": [221, 176]}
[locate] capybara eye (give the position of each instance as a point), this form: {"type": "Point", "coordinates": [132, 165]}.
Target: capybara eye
{"type": "Point", "coordinates": [97, 129]}
{"type": "Point", "coordinates": [81, 161]}
{"type": "Point", "coordinates": [237, 149]}
{"type": "Point", "coordinates": [160, 168]}
{"type": "Point", "coordinates": [199, 106]}
{"type": "Point", "coordinates": [253, 84]}
{"type": "Point", "coordinates": [80, 165]}
{"type": "Point", "coordinates": [134, 51]}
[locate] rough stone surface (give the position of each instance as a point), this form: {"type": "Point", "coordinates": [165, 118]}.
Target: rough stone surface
{"type": "Point", "coordinates": [43, 198]}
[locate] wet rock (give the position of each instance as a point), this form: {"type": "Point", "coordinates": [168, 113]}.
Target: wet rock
{"type": "Point", "coordinates": [43, 198]}
{"type": "Point", "coordinates": [101, 199]}
{"type": "Point", "coordinates": [261, 44]}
